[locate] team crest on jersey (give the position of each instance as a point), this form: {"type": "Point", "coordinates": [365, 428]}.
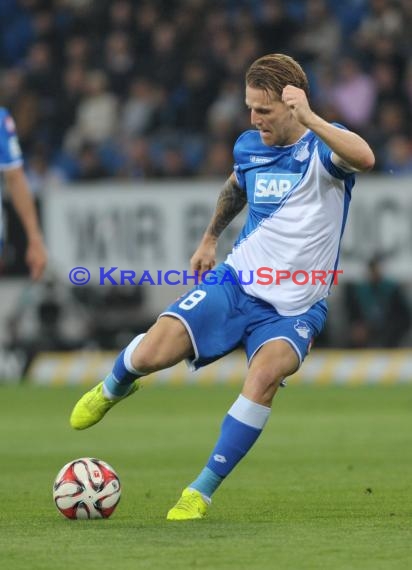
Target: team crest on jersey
{"type": "Point", "coordinates": [271, 188]}
{"type": "Point", "coordinates": [301, 152]}
{"type": "Point", "coordinates": [302, 328]}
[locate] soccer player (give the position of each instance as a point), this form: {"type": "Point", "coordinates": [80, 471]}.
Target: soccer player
{"type": "Point", "coordinates": [11, 167]}
{"type": "Point", "coordinates": [296, 172]}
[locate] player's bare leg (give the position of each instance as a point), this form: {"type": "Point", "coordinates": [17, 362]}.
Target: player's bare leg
{"type": "Point", "coordinates": [241, 427]}
{"type": "Point", "coordinates": [271, 364]}
{"type": "Point", "coordinates": [165, 344]}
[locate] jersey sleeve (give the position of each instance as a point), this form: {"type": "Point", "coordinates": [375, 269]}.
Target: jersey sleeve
{"type": "Point", "coordinates": [239, 157]}
{"type": "Point", "coordinates": [240, 177]}
{"type": "Point", "coordinates": [10, 151]}
{"type": "Point", "coordinates": [325, 155]}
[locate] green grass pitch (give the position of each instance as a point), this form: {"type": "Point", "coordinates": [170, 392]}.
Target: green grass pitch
{"type": "Point", "coordinates": [328, 485]}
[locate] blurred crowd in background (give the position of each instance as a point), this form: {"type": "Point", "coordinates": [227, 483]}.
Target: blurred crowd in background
{"type": "Point", "coordinates": [139, 89]}
{"type": "Point", "coordinates": [144, 89]}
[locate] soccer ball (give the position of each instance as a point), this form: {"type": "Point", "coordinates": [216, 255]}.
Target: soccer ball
{"type": "Point", "coordinates": [86, 488]}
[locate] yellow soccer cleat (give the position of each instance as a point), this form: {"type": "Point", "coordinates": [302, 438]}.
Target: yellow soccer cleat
{"type": "Point", "coordinates": [190, 506]}
{"type": "Point", "coordinates": [91, 407]}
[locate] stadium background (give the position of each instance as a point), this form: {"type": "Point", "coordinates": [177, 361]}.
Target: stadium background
{"type": "Point", "coordinates": [117, 101]}
{"type": "Point", "coordinates": [127, 110]}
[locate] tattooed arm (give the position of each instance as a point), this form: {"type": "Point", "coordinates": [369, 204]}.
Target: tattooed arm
{"type": "Point", "coordinates": [231, 201]}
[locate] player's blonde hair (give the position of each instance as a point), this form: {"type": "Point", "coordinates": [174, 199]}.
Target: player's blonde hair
{"type": "Point", "coordinates": [274, 71]}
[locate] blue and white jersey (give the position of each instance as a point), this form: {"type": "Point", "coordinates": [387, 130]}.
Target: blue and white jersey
{"type": "Point", "coordinates": [10, 152]}
{"type": "Point", "coordinates": [298, 203]}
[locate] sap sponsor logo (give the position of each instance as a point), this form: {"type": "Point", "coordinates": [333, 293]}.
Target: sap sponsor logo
{"type": "Point", "coordinates": [271, 188]}
{"type": "Point", "coordinates": [260, 159]}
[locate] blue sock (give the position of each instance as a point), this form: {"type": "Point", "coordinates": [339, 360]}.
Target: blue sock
{"type": "Point", "coordinates": [117, 384]}
{"type": "Point", "coordinates": [207, 482]}
{"type": "Point", "coordinates": [240, 429]}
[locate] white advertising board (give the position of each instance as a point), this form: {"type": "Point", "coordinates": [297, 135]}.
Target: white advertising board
{"type": "Point", "coordinates": [149, 228]}
{"type": "Point", "coordinates": [153, 227]}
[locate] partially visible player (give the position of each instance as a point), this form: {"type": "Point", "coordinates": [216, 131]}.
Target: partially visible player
{"type": "Point", "coordinates": [296, 172]}
{"type": "Point", "coordinates": [15, 182]}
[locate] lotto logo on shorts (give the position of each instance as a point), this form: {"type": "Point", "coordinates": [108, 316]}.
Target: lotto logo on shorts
{"type": "Point", "coordinates": [271, 188]}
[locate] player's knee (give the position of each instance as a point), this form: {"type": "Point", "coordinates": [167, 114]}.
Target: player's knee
{"type": "Point", "coordinates": [154, 354]}
{"type": "Point", "coordinates": [268, 378]}
{"type": "Point", "coordinates": [146, 359]}
{"type": "Point", "coordinates": [263, 383]}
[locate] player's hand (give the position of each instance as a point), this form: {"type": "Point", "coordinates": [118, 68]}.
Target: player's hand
{"type": "Point", "coordinates": [297, 102]}
{"type": "Point", "coordinates": [36, 258]}
{"type": "Point", "coordinates": [204, 258]}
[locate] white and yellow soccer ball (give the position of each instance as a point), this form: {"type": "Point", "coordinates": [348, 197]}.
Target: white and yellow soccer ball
{"type": "Point", "coordinates": [86, 488]}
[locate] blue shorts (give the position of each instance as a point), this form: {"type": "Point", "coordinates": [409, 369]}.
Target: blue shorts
{"type": "Point", "coordinates": [222, 317]}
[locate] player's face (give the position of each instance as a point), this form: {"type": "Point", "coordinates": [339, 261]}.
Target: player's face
{"type": "Point", "coordinates": [270, 116]}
